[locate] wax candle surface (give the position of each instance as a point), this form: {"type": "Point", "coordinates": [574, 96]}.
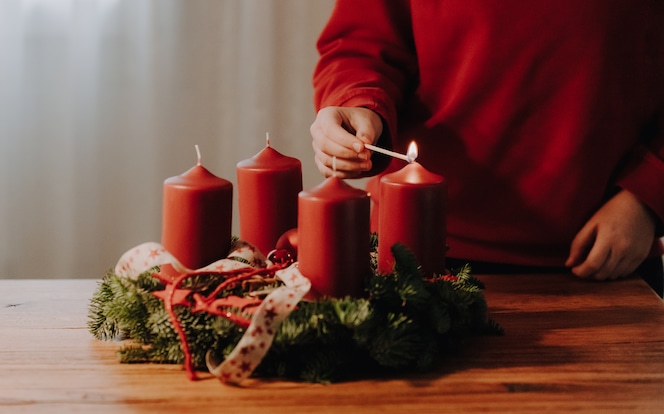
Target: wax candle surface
{"type": "Point", "coordinates": [197, 217]}
{"type": "Point", "coordinates": [268, 188]}
{"type": "Point", "coordinates": [412, 211]}
{"type": "Point", "coordinates": [334, 238]}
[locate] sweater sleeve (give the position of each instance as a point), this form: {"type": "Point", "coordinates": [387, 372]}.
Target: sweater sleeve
{"type": "Point", "coordinates": [643, 174]}
{"type": "Point", "coordinates": [367, 59]}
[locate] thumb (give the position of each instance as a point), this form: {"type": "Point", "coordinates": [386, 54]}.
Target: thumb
{"type": "Point", "coordinates": [368, 125]}
{"type": "Point", "coordinates": [580, 246]}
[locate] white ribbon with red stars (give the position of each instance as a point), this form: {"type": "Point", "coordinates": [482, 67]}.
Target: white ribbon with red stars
{"type": "Point", "coordinates": [148, 255]}
{"type": "Point", "coordinates": [276, 307]}
{"type": "Point", "coordinates": [253, 346]}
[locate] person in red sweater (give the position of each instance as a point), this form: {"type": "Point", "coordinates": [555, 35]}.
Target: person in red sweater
{"type": "Point", "coordinates": [545, 118]}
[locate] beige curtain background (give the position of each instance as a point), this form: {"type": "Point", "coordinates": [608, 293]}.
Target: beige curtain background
{"type": "Point", "coordinates": [101, 100]}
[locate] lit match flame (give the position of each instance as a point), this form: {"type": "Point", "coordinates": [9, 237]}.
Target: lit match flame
{"type": "Point", "coordinates": [412, 152]}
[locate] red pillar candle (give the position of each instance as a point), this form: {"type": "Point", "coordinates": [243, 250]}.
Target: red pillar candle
{"type": "Point", "coordinates": [412, 212]}
{"type": "Point", "coordinates": [334, 238]}
{"type": "Point", "coordinates": [197, 216]}
{"type": "Point", "coordinates": [268, 187]}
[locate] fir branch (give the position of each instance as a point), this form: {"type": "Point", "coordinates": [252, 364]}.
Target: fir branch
{"type": "Point", "coordinates": [405, 262]}
{"type": "Point", "coordinates": [352, 312]}
{"type": "Point", "coordinates": [98, 323]}
{"type": "Point", "coordinates": [406, 322]}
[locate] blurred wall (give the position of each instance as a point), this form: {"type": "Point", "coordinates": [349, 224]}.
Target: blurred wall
{"type": "Point", "coordinates": [101, 100]}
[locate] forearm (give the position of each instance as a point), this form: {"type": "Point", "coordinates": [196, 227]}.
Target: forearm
{"type": "Point", "coordinates": [366, 58]}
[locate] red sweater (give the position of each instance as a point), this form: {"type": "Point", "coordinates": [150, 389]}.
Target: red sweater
{"type": "Point", "coordinates": [535, 112]}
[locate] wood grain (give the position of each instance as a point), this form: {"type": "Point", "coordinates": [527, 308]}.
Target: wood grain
{"type": "Point", "coordinates": [569, 346]}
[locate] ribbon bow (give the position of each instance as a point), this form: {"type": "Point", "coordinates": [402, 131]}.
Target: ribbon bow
{"type": "Point", "coordinates": [244, 262]}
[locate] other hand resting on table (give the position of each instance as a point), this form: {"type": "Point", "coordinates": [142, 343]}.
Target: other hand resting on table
{"type": "Point", "coordinates": [615, 240]}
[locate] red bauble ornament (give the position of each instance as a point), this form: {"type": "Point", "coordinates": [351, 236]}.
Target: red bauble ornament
{"type": "Point", "coordinates": [280, 257]}
{"type": "Point", "coordinates": [288, 241]}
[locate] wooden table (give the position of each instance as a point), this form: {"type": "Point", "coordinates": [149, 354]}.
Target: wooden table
{"type": "Point", "coordinates": [570, 345]}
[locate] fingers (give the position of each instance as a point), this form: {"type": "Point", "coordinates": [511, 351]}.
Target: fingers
{"type": "Point", "coordinates": [581, 245]}
{"type": "Point", "coordinates": [336, 142]}
{"type": "Point", "coordinates": [331, 135]}
{"type": "Point", "coordinates": [614, 241]}
{"type": "Point", "coordinates": [367, 126]}
{"type": "Point", "coordinates": [605, 262]}
{"type": "Point", "coordinates": [587, 257]}
{"type": "Point", "coordinates": [340, 133]}
{"type": "Point", "coordinates": [341, 167]}
{"type": "Point", "coordinates": [598, 264]}
{"type": "Point", "coordinates": [591, 257]}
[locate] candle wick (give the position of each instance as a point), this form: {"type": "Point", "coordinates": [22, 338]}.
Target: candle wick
{"type": "Point", "coordinates": [198, 155]}
{"type": "Point", "coordinates": [267, 139]}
